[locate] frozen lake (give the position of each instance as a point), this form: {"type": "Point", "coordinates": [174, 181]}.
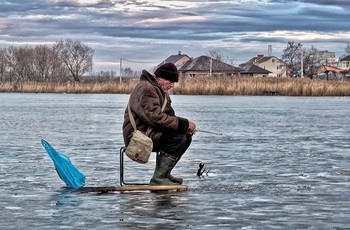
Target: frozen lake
{"type": "Point", "coordinates": [282, 163]}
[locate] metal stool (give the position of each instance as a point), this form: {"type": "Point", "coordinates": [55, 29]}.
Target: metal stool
{"type": "Point", "coordinates": [122, 182]}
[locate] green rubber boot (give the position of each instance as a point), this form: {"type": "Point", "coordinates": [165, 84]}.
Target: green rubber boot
{"type": "Point", "coordinates": [164, 164]}
{"type": "Point", "coordinates": [176, 180]}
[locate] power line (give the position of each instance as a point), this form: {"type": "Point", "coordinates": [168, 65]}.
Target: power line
{"type": "Point", "coordinates": [127, 60]}
{"type": "Point", "coordinates": [141, 62]}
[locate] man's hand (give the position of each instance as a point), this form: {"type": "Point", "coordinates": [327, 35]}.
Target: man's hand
{"type": "Point", "coordinates": [191, 128]}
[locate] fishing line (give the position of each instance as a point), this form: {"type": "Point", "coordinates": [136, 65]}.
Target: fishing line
{"type": "Point", "coordinates": [206, 131]}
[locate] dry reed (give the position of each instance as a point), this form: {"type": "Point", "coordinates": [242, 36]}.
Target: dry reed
{"type": "Point", "coordinates": [200, 86]}
{"type": "Point", "coordinates": [263, 86]}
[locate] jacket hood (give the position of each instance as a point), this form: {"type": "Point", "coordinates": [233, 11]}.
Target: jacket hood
{"type": "Point", "coordinates": [147, 76]}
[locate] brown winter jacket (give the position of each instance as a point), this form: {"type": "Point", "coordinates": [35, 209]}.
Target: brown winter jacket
{"type": "Point", "coordinates": [146, 103]}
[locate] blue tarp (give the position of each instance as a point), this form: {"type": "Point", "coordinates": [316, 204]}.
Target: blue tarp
{"type": "Point", "coordinates": [64, 167]}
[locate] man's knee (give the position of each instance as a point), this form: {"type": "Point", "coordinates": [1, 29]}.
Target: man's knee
{"type": "Point", "coordinates": [180, 144]}
{"type": "Point", "coordinates": [174, 143]}
{"type": "Point", "coordinates": [181, 139]}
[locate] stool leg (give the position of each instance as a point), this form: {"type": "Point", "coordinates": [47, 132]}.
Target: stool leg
{"type": "Point", "coordinates": [121, 163]}
{"type": "Point", "coordinates": [121, 173]}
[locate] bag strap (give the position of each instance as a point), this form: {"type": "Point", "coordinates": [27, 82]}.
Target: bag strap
{"type": "Point", "coordinates": [132, 120]}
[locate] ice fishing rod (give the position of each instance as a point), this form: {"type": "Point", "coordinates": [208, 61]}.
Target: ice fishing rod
{"type": "Point", "coordinates": [205, 131]}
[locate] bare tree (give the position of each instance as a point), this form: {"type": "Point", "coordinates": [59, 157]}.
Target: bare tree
{"type": "Point", "coordinates": [215, 54]}
{"type": "Point", "coordinates": [48, 66]}
{"type": "Point", "coordinates": [231, 61]}
{"type": "Point", "coordinates": [3, 65]}
{"type": "Point", "coordinates": [291, 55]}
{"type": "Point", "coordinates": [42, 59]}
{"type": "Point", "coordinates": [347, 49]}
{"type": "Point", "coordinates": [310, 60]}
{"type": "Point", "coordinates": [20, 64]}
{"type": "Point", "coordinates": [129, 73]}
{"type": "Point", "coordinates": [76, 57]}
{"type": "Point", "coordinates": [101, 76]}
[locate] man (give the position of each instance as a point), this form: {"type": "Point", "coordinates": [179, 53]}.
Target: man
{"type": "Point", "coordinates": [171, 134]}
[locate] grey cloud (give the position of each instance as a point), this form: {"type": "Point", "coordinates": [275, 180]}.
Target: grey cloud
{"type": "Point", "coordinates": [231, 18]}
{"type": "Point", "coordinates": [224, 21]}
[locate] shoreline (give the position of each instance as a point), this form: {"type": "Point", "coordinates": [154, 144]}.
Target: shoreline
{"type": "Point", "coordinates": [199, 86]}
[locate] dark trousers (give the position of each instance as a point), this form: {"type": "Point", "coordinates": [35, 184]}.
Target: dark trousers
{"type": "Point", "coordinates": [173, 143]}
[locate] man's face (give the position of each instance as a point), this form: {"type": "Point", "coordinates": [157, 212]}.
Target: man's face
{"type": "Point", "coordinates": [166, 84]}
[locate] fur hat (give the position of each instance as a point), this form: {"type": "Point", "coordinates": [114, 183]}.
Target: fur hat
{"type": "Point", "coordinates": [167, 71]}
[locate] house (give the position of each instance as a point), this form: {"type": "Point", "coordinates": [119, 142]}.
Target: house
{"type": "Point", "coordinates": [277, 67]}
{"type": "Point", "coordinates": [330, 73]}
{"type": "Point", "coordinates": [345, 63]}
{"type": "Point", "coordinates": [205, 66]}
{"type": "Point", "coordinates": [251, 70]}
{"type": "Point", "coordinates": [325, 57]}
{"type": "Point", "coordinates": [177, 60]}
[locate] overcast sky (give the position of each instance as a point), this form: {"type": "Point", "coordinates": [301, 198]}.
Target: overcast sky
{"type": "Point", "coordinates": [149, 31]}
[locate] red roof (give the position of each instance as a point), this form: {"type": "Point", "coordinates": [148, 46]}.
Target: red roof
{"type": "Point", "coordinates": [332, 69]}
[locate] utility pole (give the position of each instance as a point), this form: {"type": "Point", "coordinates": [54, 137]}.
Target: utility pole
{"type": "Point", "coordinates": [301, 64]}
{"type": "Point", "coordinates": [210, 66]}
{"type": "Point", "coordinates": [120, 70]}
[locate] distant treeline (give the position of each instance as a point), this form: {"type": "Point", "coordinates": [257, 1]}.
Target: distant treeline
{"type": "Point", "coordinates": [65, 61]}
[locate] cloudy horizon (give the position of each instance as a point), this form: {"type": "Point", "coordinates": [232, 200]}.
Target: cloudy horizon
{"type": "Point", "coordinates": [147, 31]}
